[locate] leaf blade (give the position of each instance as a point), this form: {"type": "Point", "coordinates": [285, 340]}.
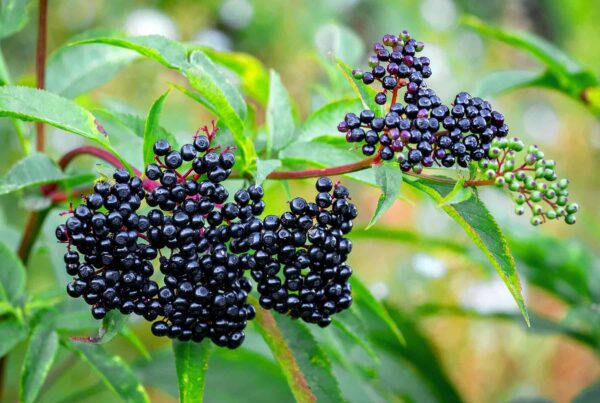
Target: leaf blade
{"type": "Point", "coordinates": [12, 276]}
{"type": "Point", "coordinates": [481, 227]}
{"type": "Point", "coordinates": [191, 370]}
{"type": "Point", "coordinates": [35, 169]}
{"type": "Point", "coordinates": [113, 371]}
{"type": "Point", "coordinates": [39, 358]}
{"type": "Point", "coordinates": [151, 132]}
{"type": "Point", "coordinates": [365, 93]}
{"type": "Point", "coordinates": [389, 179]}
{"type": "Point", "coordinates": [280, 122]}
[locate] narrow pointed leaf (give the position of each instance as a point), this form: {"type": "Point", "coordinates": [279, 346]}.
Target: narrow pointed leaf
{"type": "Point", "coordinates": [480, 226]}
{"type": "Point", "coordinates": [364, 92]}
{"type": "Point", "coordinates": [324, 120]}
{"type": "Point", "coordinates": [151, 128]}
{"type": "Point", "coordinates": [264, 168]}
{"type": "Point", "coordinates": [113, 371]}
{"type": "Point", "coordinates": [12, 276]}
{"type": "Point", "coordinates": [280, 122]}
{"type": "Point", "coordinates": [254, 77]}
{"type": "Point", "coordinates": [38, 360]}
{"type": "Point", "coordinates": [191, 362]}
{"type": "Point", "coordinates": [388, 178]}
{"type": "Point", "coordinates": [33, 170]}
{"type": "Point", "coordinates": [13, 16]}
{"type": "Point", "coordinates": [13, 331]}
{"type": "Point", "coordinates": [111, 325]}
{"type": "Point", "coordinates": [458, 194]}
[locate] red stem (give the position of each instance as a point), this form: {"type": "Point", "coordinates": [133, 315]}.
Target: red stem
{"type": "Point", "coordinates": [40, 65]}
{"type": "Point", "coordinates": [314, 173]}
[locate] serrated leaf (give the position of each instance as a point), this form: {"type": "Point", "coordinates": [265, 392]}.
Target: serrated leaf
{"type": "Point", "coordinates": [191, 362]}
{"type": "Point", "coordinates": [264, 168]}
{"type": "Point", "coordinates": [113, 371]}
{"type": "Point", "coordinates": [41, 351]}
{"type": "Point", "coordinates": [35, 169]}
{"type": "Point", "coordinates": [324, 120]}
{"type": "Point", "coordinates": [388, 178]}
{"type": "Point", "coordinates": [12, 276]}
{"type": "Point", "coordinates": [167, 52]}
{"type": "Point", "coordinates": [134, 124]}
{"type": "Point", "coordinates": [366, 299]}
{"type": "Point", "coordinates": [229, 105]}
{"type": "Point", "coordinates": [31, 104]}
{"type": "Point", "coordinates": [480, 226]}
{"type": "Point", "coordinates": [151, 132]}
{"type": "Point", "coordinates": [280, 122]}
{"type": "Point", "coordinates": [74, 70]}
{"type": "Point", "coordinates": [458, 194]}
{"type": "Point", "coordinates": [364, 92]}
{"type": "Point", "coordinates": [111, 325]}
{"type": "Point", "coordinates": [13, 331]}
{"type": "Point", "coordinates": [273, 336]}
{"type": "Point", "coordinates": [13, 16]}
{"type": "Point", "coordinates": [253, 75]}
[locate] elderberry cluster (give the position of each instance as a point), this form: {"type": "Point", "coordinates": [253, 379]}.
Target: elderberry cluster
{"type": "Point", "coordinates": [308, 246]}
{"type": "Point", "coordinates": [422, 131]}
{"type": "Point", "coordinates": [106, 229]}
{"type": "Point", "coordinates": [205, 243]}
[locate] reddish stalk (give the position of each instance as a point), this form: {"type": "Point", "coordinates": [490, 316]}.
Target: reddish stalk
{"type": "Point", "coordinates": [40, 66]}
{"type": "Point", "coordinates": [314, 173]}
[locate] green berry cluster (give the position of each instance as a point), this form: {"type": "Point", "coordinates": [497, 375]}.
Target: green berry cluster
{"type": "Point", "coordinates": [533, 181]}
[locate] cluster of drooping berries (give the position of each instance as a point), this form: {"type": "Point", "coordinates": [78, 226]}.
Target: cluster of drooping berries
{"type": "Point", "coordinates": [534, 183]}
{"type": "Point", "coordinates": [413, 130]}
{"type": "Point", "coordinates": [204, 244]}
{"type": "Point", "coordinates": [308, 246]}
{"type": "Point", "coordinates": [395, 64]}
{"type": "Point", "coordinates": [106, 230]}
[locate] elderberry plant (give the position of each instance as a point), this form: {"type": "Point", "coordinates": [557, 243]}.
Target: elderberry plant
{"type": "Point", "coordinates": [189, 247]}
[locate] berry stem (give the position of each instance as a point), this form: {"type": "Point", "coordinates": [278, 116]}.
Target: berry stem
{"type": "Point", "coordinates": [315, 173]}
{"type": "Point", "coordinates": [66, 159]}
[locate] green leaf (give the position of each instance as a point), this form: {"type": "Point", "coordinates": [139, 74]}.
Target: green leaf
{"type": "Point", "coordinates": [75, 70]}
{"type": "Point", "coordinates": [264, 168]}
{"type": "Point", "coordinates": [311, 359]}
{"type": "Point", "coordinates": [503, 81]}
{"type": "Point", "coordinates": [113, 371]}
{"type": "Point", "coordinates": [324, 120]}
{"type": "Point", "coordinates": [13, 16]}
{"type": "Point", "coordinates": [35, 169]}
{"type": "Point", "coordinates": [339, 41]}
{"type": "Point", "coordinates": [544, 51]}
{"type": "Point", "coordinates": [228, 104]}
{"type": "Point", "coordinates": [591, 394]}
{"type": "Point", "coordinates": [12, 276]}
{"type": "Point", "coordinates": [166, 51]}
{"type": "Point", "coordinates": [480, 226]}
{"type": "Point", "coordinates": [458, 194]}
{"type": "Point", "coordinates": [191, 361]}
{"type": "Point", "coordinates": [133, 124]}
{"type": "Point", "coordinates": [366, 299]}
{"type": "Point", "coordinates": [273, 336]}
{"type": "Point", "coordinates": [13, 331]}
{"type": "Point", "coordinates": [112, 324]}
{"type": "Point", "coordinates": [388, 178]}
{"type": "Point", "coordinates": [38, 360]}
{"type": "Point", "coordinates": [151, 132]}
{"type": "Point", "coordinates": [31, 104]}
{"type": "Point", "coordinates": [254, 77]}
{"type": "Point", "coordinates": [364, 92]}
{"type": "Point", "coordinates": [280, 122]}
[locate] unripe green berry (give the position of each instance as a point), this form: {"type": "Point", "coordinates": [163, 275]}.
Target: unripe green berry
{"type": "Point", "coordinates": [532, 149]}
{"type": "Point", "coordinates": [572, 208]}
{"type": "Point", "coordinates": [519, 210]}
{"type": "Point", "coordinates": [551, 214]}
{"type": "Point", "coordinates": [519, 198]}
{"type": "Point", "coordinates": [550, 194]}
{"type": "Point", "coordinates": [539, 172]}
{"type": "Point", "coordinates": [520, 175]}
{"type": "Point", "coordinates": [494, 152]}
{"type": "Point", "coordinates": [550, 164]}
{"type": "Point", "coordinates": [508, 165]}
{"type": "Point", "coordinates": [357, 74]}
{"type": "Point", "coordinates": [514, 186]}
{"type": "Point", "coordinates": [542, 186]}
{"type": "Point", "coordinates": [490, 173]}
{"type": "Point", "coordinates": [560, 211]}
{"type": "Point", "coordinates": [570, 219]}
{"type": "Point", "coordinates": [530, 159]}
{"type": "Point", "coordinates": [537, 209]}
{"type": "Point", "coordinates": [561, 201]}
{"type": "Point", "coordinates": [493, 165]}
{"type": "Point", "coordinates": [536, 196]}
{"type": "Point", "coordinates": [500, 181]}
{"type": "Point", "coordinates": [563, 183]}
{"type": "Point", "coordinates": [540, 164]}
{"type": "Point", "coordinates": [539, 155]}
{"type": "Point", "coordinates": [417, 168]}
{"type": "Point", "coordinates": [535, 221]}
{"type": "Point", "coordinates": [484, 164]}
{"type": "Point", "coordinates": [549, 174]}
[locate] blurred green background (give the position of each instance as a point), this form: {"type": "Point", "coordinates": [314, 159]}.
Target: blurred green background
{"type": "Point", "coordinates": [416, 259]}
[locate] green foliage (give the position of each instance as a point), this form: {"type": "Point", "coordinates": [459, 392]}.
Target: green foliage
{"type": "Point", "coordinates": [388, 178]}
{"type": "Point", "coordinates": [12, 277]}
{"type": "Point", "coordinates": [13, 16]}
{"type": "Point", "coordinates": [280, 122]}
{"type": "Point", "coordinates": [38, 360]}
{"type": "Point", "coordinates": [151, 132]}
{"type": "Point", "coordinates": [191, 361]}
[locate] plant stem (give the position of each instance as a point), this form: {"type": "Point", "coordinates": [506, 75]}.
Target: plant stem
{"type": "Point", "coordinates": [66, 159]}
{"type": "Point", "coordinates": [315, 173]}
{"type": "Point", "coordinates": [40, 64]}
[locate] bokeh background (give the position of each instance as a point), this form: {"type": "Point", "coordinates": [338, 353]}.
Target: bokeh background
{"type": "Point", "coordinates": [426, 268]}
